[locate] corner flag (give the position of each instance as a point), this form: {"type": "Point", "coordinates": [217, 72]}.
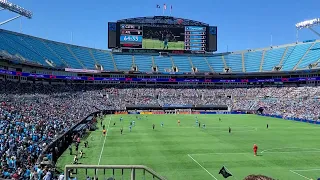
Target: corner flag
{"type": "Point", "coordinates": [224, 172]}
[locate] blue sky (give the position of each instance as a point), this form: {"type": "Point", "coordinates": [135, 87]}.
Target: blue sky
{"type": "Point", "coordinates": [241, 24]}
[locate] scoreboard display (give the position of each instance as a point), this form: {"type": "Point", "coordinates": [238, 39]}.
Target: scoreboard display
{"type": "Point", "coordinates": [195, 38]}
{"type": "Point", "coordinates": [190, 38]}
{"type": "Point", "coordinates": [162, 37]}
{"type": "Point", "coordinates": [131, 36]}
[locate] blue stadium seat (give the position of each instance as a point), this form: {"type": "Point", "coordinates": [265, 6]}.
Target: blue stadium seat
{"type": "Point", "coordinates": [144, 62]}
{"type": "Point", "coordinates": [7, 47]}
{"type": "Point", "coordinates": [64, 53]}
{"type": "Point", "coordinates": [163, 63]}
{"type": "Point", "coordinates": [183, 63]}
{"type": "Point", "coordinates": [234, 61]}
{"type": "Point", "coordinates": [293, 58]}
{"type": "Point", "coordinates": [200, 63]}
{"type": "Point", "coordinates": [22, 48]}
{"type": "Point", "coordinates": [272, 58]}
{"type": "Point", "coordinates": [104, 58]}
{"type": "Point", "coordinates": [123, 62]}
{"type": "Point", "coordinates": [252, 61]}
{"type": "Point", "coordinates": [312, 57]}
{"type": "Point", "coordinates": [83, 55]}
{"type": "Point", "coordinates": [46, 52]}
{"type": "Point", "coordinates": [216, 63]}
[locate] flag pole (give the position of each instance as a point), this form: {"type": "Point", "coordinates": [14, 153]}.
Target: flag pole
{"type": "Point", "coordinates": [230, 172]}
{"type": "Point", "coordinates": [163, 10]}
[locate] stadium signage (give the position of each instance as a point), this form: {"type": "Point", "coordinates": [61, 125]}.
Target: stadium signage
{"type": "Point", "coordinates": [88, 78]}
{"type": "Point", "coordinates": [154, 51]}
{"type": "Point", "coordinates": [81, 70]}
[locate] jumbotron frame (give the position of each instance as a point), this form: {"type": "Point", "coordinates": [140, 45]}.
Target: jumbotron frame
{"type": "Point", "coordinates": [6, 5]}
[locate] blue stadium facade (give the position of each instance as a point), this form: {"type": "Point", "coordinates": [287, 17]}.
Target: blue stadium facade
{"type": "Point", "coordinates": [51, 54]}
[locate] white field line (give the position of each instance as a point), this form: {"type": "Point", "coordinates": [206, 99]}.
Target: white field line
{"type": "Point", "coordinates": [202, 166]}
{"type": "Point", "coordinates": [104, 141]}
{"type": "Point", "coordinates": [300, 175]}
{"type": "Point", "coordinates": [298, 148]}
{"type": "Point", "coordinates": [265, 152]}
{"type": "Point", "coordinates": [307, 170]}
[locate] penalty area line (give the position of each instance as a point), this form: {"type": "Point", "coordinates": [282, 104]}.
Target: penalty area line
{"type": "Point", "coordinates": [298, 148]}
{"type": "Point", "coordinates": [104, 141]}
{"type": "Point", "coordinates": [202, 167]}
{"type": "Point", "coordinates": [306, 170]}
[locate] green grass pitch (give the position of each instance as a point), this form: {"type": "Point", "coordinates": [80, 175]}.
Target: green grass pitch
{"type": "Point", "coordinates": [156, 44]}
{"type": "Point", "coordinates": [287, 150]}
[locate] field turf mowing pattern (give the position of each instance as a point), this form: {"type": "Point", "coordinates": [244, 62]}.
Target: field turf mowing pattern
{"type": "Point", "coordinates": [288, 150]}
{"type": "Point", "coordinates": [156, 44]}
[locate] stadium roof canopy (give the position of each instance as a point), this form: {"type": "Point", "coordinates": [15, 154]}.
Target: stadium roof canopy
{"type": "Point", "coordinates": [162, 20]}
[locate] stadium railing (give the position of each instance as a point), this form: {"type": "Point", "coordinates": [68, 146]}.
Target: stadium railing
{"type": "Point", "coordinates": [133, 169]}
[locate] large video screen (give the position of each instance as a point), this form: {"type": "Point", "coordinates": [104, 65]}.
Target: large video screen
{"type": "Point", "coordinates": [167, 38]}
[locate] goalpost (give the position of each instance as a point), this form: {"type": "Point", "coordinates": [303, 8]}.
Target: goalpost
{"type": "Point", "coordinates": [182, 111]}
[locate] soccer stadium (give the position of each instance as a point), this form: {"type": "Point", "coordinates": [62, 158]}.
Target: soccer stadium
{"type": "Point", "coordinates": [162, 102]}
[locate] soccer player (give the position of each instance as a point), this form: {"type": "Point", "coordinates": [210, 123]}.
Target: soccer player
{"type": "Point", "coordinates": [178, 122]}
{"type": "Point", "coordinates": [255, 149]}
{"type": "Point", "coordinates": [199, 124]}
{"type": "Point", "coordinates": [153, 126]}
{"type": "Point", "coordinates": [121, 119]}
{"type": "Point", "coordinates": [75, 159]}
{"type": "Point", "coordinates": [165, 43]}
{"type": "Point", "coordinates": [70, 149]}
{"type": "Point", "coordinates": [77, 147]}
{"type": "Point", "coordinates": [121, 130]}
{"type": "Point", "coordinates": [204, 126]}
{"type": "Point", "coordinates": [229, 130]}
{"type": "Point", "coordinates": [133, 123]}
{"type": "Point", "coordinates": [104, 132]}
{"type": "Point", "coordinates": [161, 124]}
{"type": "Point", "coordinates": [81, 153]}
{"type": "Point", "coordinates": [130, 128]}
{"type": "Point", "coordinates": [220, 119]}
{"type": "Point", "coordinates": [267, 126]}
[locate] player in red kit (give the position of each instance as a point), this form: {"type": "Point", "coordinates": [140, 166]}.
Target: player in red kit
{"type": "Point", "coordinates": [255, 149]}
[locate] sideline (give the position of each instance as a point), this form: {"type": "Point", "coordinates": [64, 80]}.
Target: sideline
{"type": "Point", "coordinates": [104, 141]}
{"type": "Point", "coordinates": [309, 150]}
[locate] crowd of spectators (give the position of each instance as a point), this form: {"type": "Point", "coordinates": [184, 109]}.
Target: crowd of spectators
{"type": "Point", "coordinates": [33, 115]}
{"type": "Point", "coordinates": [299, 102]}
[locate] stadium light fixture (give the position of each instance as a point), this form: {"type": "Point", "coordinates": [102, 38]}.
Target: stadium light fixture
{"type": "Point", "coordinates": [308, 24]}
{"type": "Point", "coordinates": [5, 4]}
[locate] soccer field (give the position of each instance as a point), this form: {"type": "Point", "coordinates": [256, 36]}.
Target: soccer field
{"type": "Point", "coordinates": [156, 44]}
{"type": "Point", "coordinates": [287, 150]}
